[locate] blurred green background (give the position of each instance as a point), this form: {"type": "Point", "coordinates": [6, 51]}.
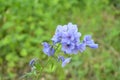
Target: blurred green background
{"type": "Point", "coordinates": [24, 24]}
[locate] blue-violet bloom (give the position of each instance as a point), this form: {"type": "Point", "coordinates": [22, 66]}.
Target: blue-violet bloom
{"type": "Point", "coordinates": [32, 62]}
{"type": "Point", "coordinates": [89, 42]}
{"type": "Point", "coordinates": [68, 48]}
{"type": "Point", "coordinates": [64, 61]}
{"type": "Point", "coordinates": [48, 49]}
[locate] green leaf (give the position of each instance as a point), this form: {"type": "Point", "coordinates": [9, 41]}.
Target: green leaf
{"type": "Point", "coordinates": [23, 52]}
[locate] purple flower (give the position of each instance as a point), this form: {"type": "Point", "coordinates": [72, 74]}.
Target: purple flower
{"type": "Point", "coordinates": [72, 28]}
{"type": "Point", "coordinates": [77, 37]}
{"type": "Point", "coordinates": [66, 33]}
{"type": "Point", "coordinates": [67, 37]}
{"type": "Point", "coordinates": [58, 33]}
{"type": "Point", "coordinates": [57, 37]}
{"type": "Point", "coordinates": [32, 62]}
{"type": "Point", "coordinates": [89, 42]}
{"type": "Point", "coordinates": [69, 42]}
{"type": "Point", "coordinates": [81, 47]}
{"type": "Point", "coordinates": [64, 61]}
{"type": "Point", "coordinates": [61, 58]}
{"type": "Point", "coordinates": [48, 49]}
{"type": "Point", "coordinates": [67, 48]}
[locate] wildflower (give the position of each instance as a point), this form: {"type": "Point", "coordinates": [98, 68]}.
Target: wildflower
{"type": "Point", "coordinates": [48, 49]}
{"type": "Point", "coordinates": [68, 36]}
{"type": "Point", "coordinates": [58, 34]}
{"type": "Point", "coordinates": [64, 61]}
{"type": "Point", "coordinates": [71, 27]}
{"type": "Point", "coordinates": [89, 42]}
{"type": "Point", "coordinates": [81, 47]}
{"type": "Point", "coordinates": [32, 62]}
{"type": "Point", "coordinates": [66, 33]}
{"type": "Point", "coordinates": [67, 48]}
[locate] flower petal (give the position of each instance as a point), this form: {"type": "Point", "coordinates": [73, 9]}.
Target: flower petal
{"type": "Point", "coordinates": [66, 61]}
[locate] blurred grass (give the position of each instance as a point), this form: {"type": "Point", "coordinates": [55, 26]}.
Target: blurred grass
{"type": "Point", "coordinates": [24, 24]}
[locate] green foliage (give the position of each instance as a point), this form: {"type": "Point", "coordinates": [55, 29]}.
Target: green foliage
{"type": "Point", "coordinates": [24, 24]}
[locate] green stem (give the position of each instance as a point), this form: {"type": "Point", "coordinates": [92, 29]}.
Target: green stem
{"type": "Point", "coordinates": [57, 47]}
{"type": "Point", "coordinates": [39, 74]}
{"type": "Point", "coordinates": [49, 59]}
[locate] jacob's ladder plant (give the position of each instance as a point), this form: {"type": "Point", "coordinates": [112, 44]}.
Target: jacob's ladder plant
{"type": "Point", "coordinates": [67, 40]}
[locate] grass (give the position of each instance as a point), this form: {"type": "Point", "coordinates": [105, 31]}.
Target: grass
{"type": "Point", "coordinates": [25, 24]}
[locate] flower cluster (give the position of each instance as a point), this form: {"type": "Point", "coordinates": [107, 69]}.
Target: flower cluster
{"type": "Point", "coordinates": [69, 39]}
